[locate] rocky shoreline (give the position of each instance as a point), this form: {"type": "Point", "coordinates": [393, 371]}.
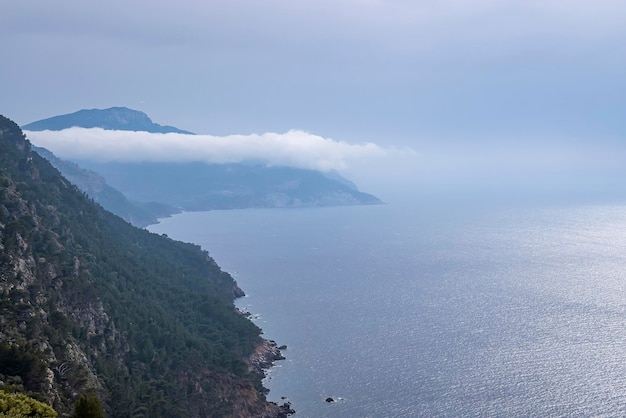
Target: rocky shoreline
{"type": "Point", "coordinates": [259, 362]}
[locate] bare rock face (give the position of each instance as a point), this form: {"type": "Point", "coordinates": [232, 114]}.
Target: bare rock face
{"type": "Point", "coordinates": [260, 361]}
{"type": "Point", "coordinates": [263, 357]}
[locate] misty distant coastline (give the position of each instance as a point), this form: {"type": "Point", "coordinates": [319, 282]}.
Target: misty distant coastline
{"type": "Point", "coordinates": [146, 184]}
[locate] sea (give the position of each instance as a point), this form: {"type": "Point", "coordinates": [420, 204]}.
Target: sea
{"type": "Point", "coordinates": [432, 309]}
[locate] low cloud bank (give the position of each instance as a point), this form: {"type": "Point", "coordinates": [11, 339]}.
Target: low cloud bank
{"type": "Point", "coordinates": [552, 166]}
{"type": "Point", "coordinates": [294, 148]}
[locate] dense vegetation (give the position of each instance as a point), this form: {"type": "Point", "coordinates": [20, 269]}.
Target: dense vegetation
{"type": "Point", "coordinates": [90, 304]}
{"type": "Point", "coordinates": [18, 405]}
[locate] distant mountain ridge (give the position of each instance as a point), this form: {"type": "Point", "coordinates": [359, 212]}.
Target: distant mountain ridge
{"type": "Point", "coordinates": [200, 186]}
{"type": "Point", "coordinates": [114, 118]}
{"type": "Point", "coordinates": [96, 187]}
{"type": "Point", "coordinates": [193, 186]}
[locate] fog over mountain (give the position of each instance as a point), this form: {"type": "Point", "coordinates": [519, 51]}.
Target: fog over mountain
{"type": "Point", "coordinates": [540, 165]}
{"type": "Point", "coordinates": [294, 148]}
{"type": "Point", "coordinates": [183, 171]}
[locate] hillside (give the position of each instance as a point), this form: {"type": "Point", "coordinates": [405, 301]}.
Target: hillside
{"type": "Point", "coordinates": [90, 304]}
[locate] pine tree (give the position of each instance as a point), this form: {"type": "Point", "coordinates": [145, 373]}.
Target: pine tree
{"type": "Point", "coordinates": [88, 406]}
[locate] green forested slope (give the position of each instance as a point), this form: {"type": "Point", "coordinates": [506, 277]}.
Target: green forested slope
{"type": "Point", "coordinates": [89, 303]}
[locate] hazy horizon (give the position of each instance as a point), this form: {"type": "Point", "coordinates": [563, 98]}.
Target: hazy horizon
{"type": "Point", "coordinates": [363, 71]}
{"type": "Point", "coordinates": [488, 168]}
{"type": "Point", "coordinates": [454, 93]}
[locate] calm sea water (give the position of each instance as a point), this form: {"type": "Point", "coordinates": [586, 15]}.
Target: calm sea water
{"type": "Point", "coordinates": [403, 311]}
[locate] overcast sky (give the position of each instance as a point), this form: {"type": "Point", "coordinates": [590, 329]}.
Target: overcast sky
{"type": "Point", "coordinates": [397, 73]}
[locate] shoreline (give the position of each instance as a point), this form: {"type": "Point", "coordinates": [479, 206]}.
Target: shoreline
{"type": "Point", "coordinates": [259, 362]}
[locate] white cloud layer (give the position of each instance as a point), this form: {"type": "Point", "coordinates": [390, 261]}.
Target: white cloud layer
{"type": "Point", "coordinates": [547, 164]}
{"type": "Point", "coordinates": [293, 148]}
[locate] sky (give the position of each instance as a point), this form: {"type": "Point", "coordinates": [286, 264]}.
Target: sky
{"type": "Point", "coordinates": [482, 86]}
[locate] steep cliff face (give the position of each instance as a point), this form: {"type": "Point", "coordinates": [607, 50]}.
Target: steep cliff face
{"type": "Point", "coordinates": [90, 304]}
{"type": "Point", "coordinates": [40, 301]}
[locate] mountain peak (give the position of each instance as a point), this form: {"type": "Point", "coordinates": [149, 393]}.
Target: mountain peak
{"type": "Point", "coordinates": [113, 118]}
